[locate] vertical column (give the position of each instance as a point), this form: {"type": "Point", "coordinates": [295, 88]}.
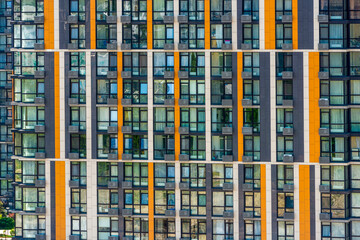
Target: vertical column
{"type": "Point", "coordinates": [304, 202]}
{"type": "Point", "coordinates": [52, 195]}
{"type": "Point", "coordinates": [314, 110]}
{"type": "Point", "coordinates": [50, 205]}
{"type": "Point", "coordinates": [317, 203]}
{"type": "Point", "coordinates": [305, 24]}
{"type": "Point", "coordinates": [272, 106]}
{"type": "Point", "coordinates": [295, 23]}
{"type": "Point", "coordinates": [93, 24]}
{"type": "Point", "coordinates": [150, 107]}
{"type": "Point", "coordinates": [270, 38]}
{"type": "Point", "coordinates": [56, 24]}
{"type": "Point", "coordinates": [119, 24]}
{"type": "Point", "coordinates": [149, 25]}
{"type": "Point", "coordinates": [91, 188]}
{"type": "Point", "coordinates": [239, 34]}
{"type": "Point", "coordinates": [177, 107]}
{"type": "Point", "coordinates": [176, 24]}
{"type": "Point", "coordinates": [62, 104]}
{"type": "Point", "coordinates": [234, 24]}
{"type": "Point", "coordinates": [49, 24]}
{"type": "Point", "coordinates": [273, 189]}
{"type": "Point", "coordinates": [68, 197]}
{"type": "Point", "coordinates": [208, 106]}
{"type": "Point", "coordinates": [177, 199]}
{"type": "Point", "coordinates": [265, 191]}
{"type": "Point", "coordinates": [239, 109]}
{"type": "Point", "coordinates": [209, 229]}
{"type": "Point", "coordinates": [151, 199]}
{"type": "Point", "coordinates": [306, 106]}
{"type": "Point", "coordinates": [236, 200]}
{"type": "Point", "coordinates": [207, 23]}
{"type": "Point", "coordinates": [120, 107]}
{"type": "Point", "coordinates": [262, 24]}
{"type": "Point", "coordinates": [88, 107]}
{"type": "Point", "coordinates": [312, 203]}
{"type": "Point", "coordinates": [298, 188]}
{"type": "Point", "coordinates": [316, 25]}
{"type": "Point", "coordinates": [60, 200]}
{"type": "Point", "coordinates": [57, 105]}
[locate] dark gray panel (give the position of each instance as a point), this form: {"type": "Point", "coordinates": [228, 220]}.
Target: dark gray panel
{"type": "Point", "coordinates": [67, 107]}
{"type": "Point", "coordinates": [88, 27]}
{"type": "Point", "coordinates": [53, 200]}
{"type": "Point", "coordinates": [312, 203]}
{"type": "Point", "coordinates": [239, 24]}
{"type": "Point", "coordinates": [298, 116]}
{"type": "Point", "coordinates": [305, 24]}
{"type": "Point", "coordinates": [265, 138]}
{"type": "Point", "coordinates": [93, 105]}
{"type": "Point", "coordinates": [208, 202]}
{"type": "Point", "coordinates": [235, 107]}
{"type": "Point", "coordinates": [64, 12]}
{"type": "Point", "coordinates": [49, 106]}
{"type": "Point", "coordinates": [121, 199]}
{"type": "Point", "coordinates": [241, 201]}
{"type": "Point", "coordinates": [273, 202]}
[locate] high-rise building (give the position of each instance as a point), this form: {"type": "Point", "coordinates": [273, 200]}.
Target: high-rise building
{"type": "Point", "coordinates": [180, 119]}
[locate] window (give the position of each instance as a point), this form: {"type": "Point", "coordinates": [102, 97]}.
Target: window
{"type": "Point", "coordinates": [163, 173]}
{"type": "Point", "coordinates": [78, 144]}
{"type": "Point", "coordinates": [286, 230]}
{"type": "Point", "coordinates": [28, 226]}
{"type": "Point", "coordinates": [26, 63]}
{"type": "Point", "coordinates": [164, 200]}
{"type": "Point", "coordinates": [283, 7]}
{"type": "Point", "coordinates": [107, 226]}
{"type": "Point", "coordinates": [220, 146]}
{"type": "Point", "coordinates": [163, 33]}
{"type": "Point", "coordinates": [78, 226]}
{"type": "Point", "coordinates": [284, 90]}
{"type": "Point", "coordinates": [251, 91]}
{"type": "Point", "coordinates": [219, 8]}
{"type": "Point", "coordinates": [26, 90]}
{"type": "Point", "coordinates": [252, 202]}
{"type": "Point", "coordinates": [252, 175]}
{"type": "Point", "coordinates": [333, 119]}
{"type": "Point", "coordinates": [106, 172]}
{"type": "Point", "coordinates": [25, 36]}
{"type": "Point", "coordinates": [334, 204]}
{"type": "Point", "coordinates": [78, 172]}
{"type": "Point", "coordinates": [284, 119]}
{"type": "Point", "coordinates": [193, 90]}
{"type": "Point", "coordinates": [220, 34]}
{"type": "Point", "coordinates": [283, 34]}
{"type": "Point", "coordinates": [193, 9]}
{"type": "Point", "coordinates": [27, 10]}
{"type": "Point", "coordinates": [334, 35]}
{"type": "Point", "coordinates": [135, 9]}
{"type": "Point", "coordinates": [105, 34]}
{"type": "Point", "coordinates": [221, 173]}
{"type": "Point", "coordinates": [284, 63]}
{"type": "Point", "coordinates": [162, 8]}
{"type": "Point", "coordinates": [105, 62]}
{"type": "Point", "coordinates": [78, 199]}
{"type": "Point", "coordinates": [193, 35]}
{"type": "Point", "coordinates": [251, 63]}
{"type": "Point", "coordinates": [194, 174]}
{"type": "Point", "coordinates": [136, 173]}
{"type": "Point", "coordinates": [136, 90]}
{"type": "Point", "coordinates": [78, 117]}
{"type": "Point", "coordinates": [106, 117]}
{"type": "Point", "coordinates": [136, 63]}
{"type": "Point", "coordinates": [193, 63]}
{"type": "Point", "coordinates": [137, 145]}
{"type": "Point", "coordinates": [135, 35]}
{"type": "Point", "coordinates": [78, 62]}
{"type": "Point", "coordinates": [354, 176]}
{"type": "Point", "coordinates": [106, 89]}
{"type": "Point", "coordinates": [194, 201]}
{"type": "Point", "coordinates": [333, 147]}
{"type": "Point", "coordinates": [106, 143]}
{"type": "Point", "coordinates": [221, 202]}
{"type": "Point", "coordinates": [77, 8]}
{"type": "Point", "coordinates": [138, 228]}
{"type": "Point", "coordinates": [28, 199]}
{"type": "Point", "coordinates": [285, 175]}
{"type": "Point", "coordinates": [136, 118]}
{"type": "Point", "coordinates": [163, 62]}
{"type": "Point", "coordinates": [252, 119]}
{"type": "Point", "coordinates": [26, 171]}
{"type": "Point", "coordinates": [285, 146]}
{"type": "Point", "coordinates": [220, 90]}
{"type": "Point", "coordinates": [137, 200]}
{"type": "Point", "coordinates": [164, 228]}
{"type": "Point", "coordinates": [222, 229]}
{"type": "Point", "coordinates": [285, 203]}
{"type": "Point", "coordinates": [334, 230]}
{"type": "Point", "coordinates": [354, 91]}
{"type": "Point", "coordinates": [334, 91]}
{"type": "Point", "coordinates": [334, 63]}
{"type": "Point", "coordinates": [78, 89]}
{"type": "Point", "coordinates": [251, 35]}
{"type": "Point", "coordinates": [354, 36]}
{"type": "Point", "coordinates": [163, 145]}
{"type": "Point", "coordinates": [194, 228]}
{"type": "Point", "coordinates": [78, 35]}
{"type": "Point", "coordinates": [163, 89]}
{"type": "Point", "coordinates": [193, 118]}
{"type": "Point", "coordinates": [193, 146]}
{"type": "Point", "coordinates": [355, 204]}
{"type": "Point", "coordinates": [354, 120]}
{"type": "Point", "coordinates": [334, 176]}
{"type": "Point", "coordinates": [335, 9]}
{"type": "Point", "coordinates": [252, 147]}
{"type": "Point", "coordinates": [251, 7]}
{"type": "Point", "coordinates": [27, 144]}
{"type": "Point", "coordinates": [105, 8]}
{"type": "Point", "coordinates": [220, 62]}
{"type": "Point", "coordinates": [163, 117]}
{"type": "Point", "coordinates": [354, 64]}
{"type": "Point", "coordinates": [27, 118]}
{"type": "Point", "coordinates": [220, 117]}
{"type": "Point", "coordinates": [253, 229]}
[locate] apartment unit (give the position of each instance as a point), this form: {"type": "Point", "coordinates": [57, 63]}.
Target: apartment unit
{"type": "Point", "coordinates": [181, 119]}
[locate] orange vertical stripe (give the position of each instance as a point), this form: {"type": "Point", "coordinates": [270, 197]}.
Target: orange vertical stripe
{"type": "Point", "coordinates": [93, 24]}
{"type": "Point", "coordinates": [207, 23]}
{"type": "Point", "coordinates": [151, 199]}
{"type": "Point", "coordinates": [149, 24]}
{"type": "Point", "coordinates": [314, 110]}
{"type": "Point", "coordinates": [60, 197]}
{"type": "Point", "coordinates": [120, 107]}
{"type": "Point", "coordinates": [49, 24]}
{"type": "Point", "coordinates": [295, 23]}
{"type": "Point", "coordinates": [239, 105]}
{"type": "Point", "coordinates": [263, 200]}
{"type": "Point", "coordinates": [57, 103]}
{"type": "Point", "coordinates": [270, 24]}
{"type": "Point", "coordinates": [304, 201]}
{"type": "Point", "coordinates": [177, 107]}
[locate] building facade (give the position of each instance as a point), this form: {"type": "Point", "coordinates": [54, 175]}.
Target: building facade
{"type": "Point", "coordinates": [181, 119]}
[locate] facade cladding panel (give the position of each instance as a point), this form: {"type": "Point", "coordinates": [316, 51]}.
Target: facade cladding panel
{"type": "Point", "coordinates": [180, 119]}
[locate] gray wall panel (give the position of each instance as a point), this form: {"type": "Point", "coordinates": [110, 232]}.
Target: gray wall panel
{"type": "Point", "coordinates": [306, 24]}
{"type": "Point", "coordinates": [235, 107]}
{"type": "Point", "coordinates": [49, 106]}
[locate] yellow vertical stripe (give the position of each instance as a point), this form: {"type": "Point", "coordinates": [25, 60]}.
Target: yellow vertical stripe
{"type": "Point", "coordinates": [49, 24]}
{"type": "Point", "coordinates": [149, 24]}
{"type": "Point", "coordinates": [120, 107]}
{"type": "Point", "coordinates": [207, 23]}
{"type": "Point", "coordinates": [314, 110]}
{"type": "Point", "coordinates": [151, 199]}
{"type": "Point", "coordinates": [263, 200]}
{"type": "Point", "coordinates": [270, 40]}
{"type": "Point", "coordinates": [57, 103]}
{"type": "Point", "coordinates": [239, 105]}
{"type": "Point", "coordinates": [177, 107]}
{"type": "Point", "coordinates": [60, 197]}
{"type": "Point", "coordinates": [93, 24]}
{"type": "Point", "coordinates": [304, 201]}
{"type": "Point", "coordinates": [295, 23]}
